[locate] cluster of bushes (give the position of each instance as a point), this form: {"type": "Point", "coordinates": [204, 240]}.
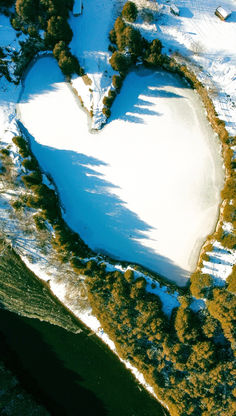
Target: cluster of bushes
{"type": "Point", "coordinates": [129, 11]}
{"type": "Point", "coordinates": [221, 301]}
{"type": "Point", "coordinates": [201, 285]}
{"type": "Point", "coordinates": [107, 102]}
{"type": "Point", "coordinates": [222, 307]}
{"type": "Point", "coordinates": [5, 165]}
{"type": "Point", "coordinates": [50, 16]}
{"type": "Point", "coordinates": [128, 46]}
{"type": "Point", "coordinates": [178, 357]}
{"type": "Point", "coordinates": [6, 3]}
{"type": "Point", "coordinates": [68, 63]}
{"type": "Point", "coordinates": [41, 197]}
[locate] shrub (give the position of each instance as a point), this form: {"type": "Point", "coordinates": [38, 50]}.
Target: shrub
{"type": "Point", "coordinates": [68, 63]}
{"type": "Point", "coordinates": [32, 31]}
{"type": "Point", "coordinates": [21, 143]}
{"type": "Point", "coordinates": [76, 263]}
{"type": "Point", "coordinates": [185, 325]}
{"type": "Point", "coordinates": [31, 201]}
{"type": "Point", "coordinates": [112, 36]}
{"type": "Point", "coordinates": [59, 29]}
{"type": "Point", "coordinates": [231, 281]}
{"type": "Point", "coordinates": [106, 111]}
{"type": "Point", "coordinates": [112, 48]}
{"type": "Point", "coordinates": [229, 213]}
{"type": "Point", "coordinates": [107, 101]}
{"type": "Point", "coordinates": [222, 307]}
{"type": "Point", "coordinates": [30, 164]}
{"type": "Point", "coordinates": [200, 284]}
{"type": "Point", "coordinates": [112, 94]}
{"type": "Point", "coordinates": [129, 275]}
{"type": "Point", "coordinates": [48, 201]}
{"type": "Point", "coordinates": [130, 11]}
{"type": "Point", "coordinates": [117, 81]}
{"type": "Point", "coordinates": [229, 158]}
{"type": "Point", "coordinates": [117, 36]}
{"type": "Point", "coordinates": [6, 3]}
{"type": "Point", "coordinates": [153, 54]}
{"type": "Point", "coordinates": [133, 41]}
{"type": "Point", "coordinates": [56, 7]}
{"type": "Point", "coordinates": [33, 178]}
{"type": "Point", "coordinates": [58, 48]}
{"type": "Point", "coordinates": [5, 152]}
{"type": "Point", "coordinates": [17, 205]}
{"type": "Point", "coordinates": [229, 191]}
{"type": "Point", "coordinates": [228, 240]}
{"type": "Point", "coordinates": [119, 26]}
{"type": "Point", "coordinates": [27, 9]}
{"type": "Point", "coordinates": [16, 23]}
{"type": "Point", "coordinates": [119, 62]}
{"type": "Point", "coordinates": [39, 222]}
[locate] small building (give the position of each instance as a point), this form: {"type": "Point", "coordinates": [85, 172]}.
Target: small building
{"type": "Point", "coordinates": [174, 9]}
{"type": "Point", "coordinates": [222, 13]}
{"type": "Point", "coordinates": [78, 7]}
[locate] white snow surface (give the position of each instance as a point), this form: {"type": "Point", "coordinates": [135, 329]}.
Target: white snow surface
{"type": "Point", "coordinates": [146, 188]}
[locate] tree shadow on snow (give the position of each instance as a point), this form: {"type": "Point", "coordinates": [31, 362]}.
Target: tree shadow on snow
{"type": "Point", "coordinates": [135, 100]}
{"type": "Point", "coordinates": [185, 12]}
{"type": "Point", "coordinates": [43, 70]}
{"type": "Point", "coordinates": [232, 18]}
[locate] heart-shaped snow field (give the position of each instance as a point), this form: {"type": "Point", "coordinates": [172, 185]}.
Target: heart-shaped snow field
{"type": "Point", "coordinates": [147, 187]}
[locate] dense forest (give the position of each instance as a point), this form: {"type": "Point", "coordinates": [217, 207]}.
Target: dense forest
{"type": "Point", "coordinates": [189, 358]}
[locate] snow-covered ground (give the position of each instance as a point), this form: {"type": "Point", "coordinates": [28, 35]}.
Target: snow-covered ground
{"type": "Point", "coordinates": [207, 43]}
{"type": "Point", "coordinates": [146, 188]}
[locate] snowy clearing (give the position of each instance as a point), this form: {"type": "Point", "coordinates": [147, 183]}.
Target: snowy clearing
{"type": "Point", "coordinates": [146, 188]}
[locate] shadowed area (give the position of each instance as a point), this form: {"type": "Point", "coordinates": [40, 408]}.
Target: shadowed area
{"type": "Point", "coordinates": [133, 104]}
{"type": "Point", "coordinates": [70, 374]}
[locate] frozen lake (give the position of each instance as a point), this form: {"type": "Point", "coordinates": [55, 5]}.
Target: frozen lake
{"type": "Point", "coordinates": [147, 187]}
